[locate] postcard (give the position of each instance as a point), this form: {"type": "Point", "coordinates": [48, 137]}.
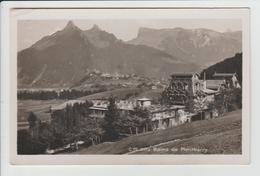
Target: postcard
{"type": "Point", "coordinates": [129, 86]}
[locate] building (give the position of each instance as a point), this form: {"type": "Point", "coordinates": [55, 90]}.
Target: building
{"type": "Point", "coordinates": [185, 85]}
{"type": "Point", "coordinates": [182, 86]}
{"type": "Point", "coordinates": [222, 80]}
{"type": "Point", "coordinates": [163, 117]}
{"type": "Point", "coordinates": [214, 84]}
{"type": "Point", "coordinates": [229, 78]}
{"type": "Point", "coordinates": [143, 102]}
{"type": "Point", "coordinates": [100, 106]}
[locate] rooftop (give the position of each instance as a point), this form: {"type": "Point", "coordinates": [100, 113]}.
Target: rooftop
{"type": "Point", "coordinates": [214, 84]}
{"type": "Point", "coordinates": [209, 91]}
{"type": "Point", "coordinates": [158, 108]}
{"type": "Point", "coordinates": [224, 74]}
{"type": "Point", "coordinates": [121, 104]}
{"type": "Point", "coordinates": [144, 99]}
{"type": "Point", "coordinates": [98, 108]}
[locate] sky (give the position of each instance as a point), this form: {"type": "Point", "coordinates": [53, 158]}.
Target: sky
{"type": "Point", "coordinates": [30, 31]}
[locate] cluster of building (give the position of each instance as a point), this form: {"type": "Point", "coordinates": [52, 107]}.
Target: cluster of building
{"type": "Point", "coordinates": [181, 87]}
{"type": "Point", "coordinates": [161, 116]}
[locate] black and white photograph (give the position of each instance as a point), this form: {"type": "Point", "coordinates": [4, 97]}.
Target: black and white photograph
{"type": "Point", "coordinates": [152, 85]}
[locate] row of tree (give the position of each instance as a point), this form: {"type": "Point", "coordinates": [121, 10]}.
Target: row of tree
{"type": "Point", "coordinates": [48, 95]}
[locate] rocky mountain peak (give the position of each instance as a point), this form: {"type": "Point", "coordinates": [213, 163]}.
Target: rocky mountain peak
{"type": "Point", "coordinates": [71, 26]}
{"type": "Point", "coordinates": [95, 27]}
{"type": "Point", "coordinates": [98, 37]}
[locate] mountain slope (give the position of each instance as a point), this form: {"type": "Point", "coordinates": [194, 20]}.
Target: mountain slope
{"type": "Point", "coordinates": [55, 60]}
{"type": "Point", "coordinates": [202, 46]}
{"type": "Point", "coordinates": [205, 134]}
{"type": "Point", "coordinates": [229, 65]}
{"type": "Point", "coordinates": [63, 58]}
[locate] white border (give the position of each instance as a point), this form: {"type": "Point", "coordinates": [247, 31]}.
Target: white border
{"type": "Point", "coordinates": [6, 80]}
{"type": "Point", "coordinates": [16, 14]}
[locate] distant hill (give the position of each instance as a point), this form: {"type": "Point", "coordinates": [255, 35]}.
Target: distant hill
{"type": "Point", "coordinates": [201, 46]}
{"type": "Point", "coordinates": [64, 58]}
{"type": "Point", "coordinates": [229, 65]}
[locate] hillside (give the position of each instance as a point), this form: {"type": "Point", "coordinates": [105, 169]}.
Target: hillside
{"type": "Point", "coordinates": [215, 136]}
{"type": "Point", "coordinates": [201, 46]}
{"type": "Point", "coordinates": [229, 65]}
{"type": "Point", "coordinates": [64, 58]}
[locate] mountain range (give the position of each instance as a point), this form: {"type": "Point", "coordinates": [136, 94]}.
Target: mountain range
{"type": "Point", "coordinates": [201, 46]}
{"type": "Point", "coordinates": [65, 57]}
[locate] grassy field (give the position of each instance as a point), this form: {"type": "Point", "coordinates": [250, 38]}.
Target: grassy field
{"type": "Point", "coordinates": [215, 136]}
{"type": "Point", "coordinates": [154, 94]}
{"type": "Point", "coordinates": [118, 93]}
{"type": "Point", "coordinates": [39, 107]}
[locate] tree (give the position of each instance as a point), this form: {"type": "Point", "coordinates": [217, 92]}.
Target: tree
{"type": "Point", "coordinates": [143, 117]}
{"type": "Point", "coordinates": [237, 98]}
{"type": "Point", "coordinates": [129, 123]}
{"type": "Point", "coordinates": [46, 134]}
{"type": "Point", "coordinates": [74, 123]}
{"type": "Point", "coordinates": [28, 145]}
{"type": "Point", "coordinates": [189, 104]}
{"type": "Point", "coordinates": [32, 118]}
{"type": "Point", "coordinates": [228, 99]}
{"type": "Point", "coordinates": [110, 121]}
{"type": "Point", "coordinates": [34, 124]}
{"type": "Point", "coordinates": [167, 96]}
{"type": "Point", "coordinates": [200, 103]}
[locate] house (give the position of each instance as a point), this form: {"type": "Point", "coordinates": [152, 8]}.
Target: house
{"type": "Point", "coordinates": [143, 102]}
{"type": "Point", "coordinates": [163, 117]}
{"type": "Point", "coordinates": [222, 80]}
{"type": "Point", "coordinates": [126, 105]}
{"type": "Point", "coordinates": [154, 87]}
{"type": "Point", "coordinates": [229, 78]}
{"type": "Point", "coordinates": [97, 112]}
{"type": "Point", "coordinates": [100, 106]}
{"type": "Point", "coordinates": [214, 84]}
{"type": "Point", "coordinates": [205, 114]}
